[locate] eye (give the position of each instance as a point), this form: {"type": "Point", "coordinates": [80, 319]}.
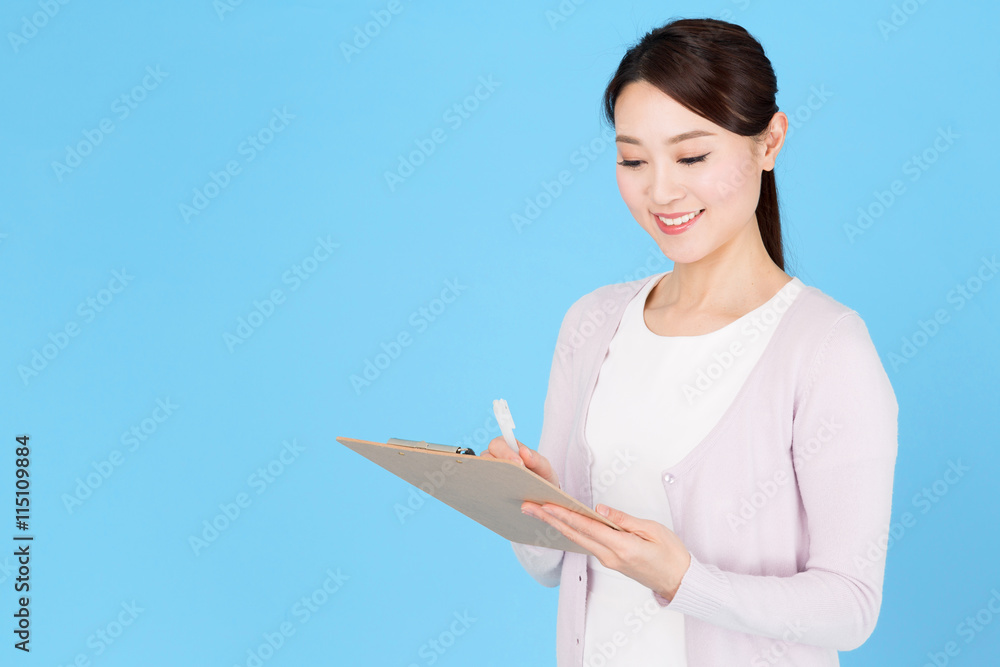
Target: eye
{"type": "Point", "coordinates": [692, 160]}
{"type": "Point", "coordinates": [634, 164]}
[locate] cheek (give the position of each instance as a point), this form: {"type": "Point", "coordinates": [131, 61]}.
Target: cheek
{"type": "Point", "coordinates": [727, 182]}
{"type": "Point", "coordinates": [718, 183]}
{"type": "Point", "coordinates": [630, 187]}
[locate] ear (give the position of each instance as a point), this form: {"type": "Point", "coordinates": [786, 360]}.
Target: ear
{"type": "Point", "coordinates": [774, 139]}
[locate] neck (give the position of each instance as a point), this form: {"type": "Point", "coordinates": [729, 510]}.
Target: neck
{"type": "Point", "coordinates": [737, 277]}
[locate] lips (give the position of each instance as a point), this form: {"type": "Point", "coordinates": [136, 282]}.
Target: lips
{"type": "Point", "coordinates": [676, 223]}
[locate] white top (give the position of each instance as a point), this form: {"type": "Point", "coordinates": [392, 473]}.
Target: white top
{"type": "Point", "coordinates": [656, 398]}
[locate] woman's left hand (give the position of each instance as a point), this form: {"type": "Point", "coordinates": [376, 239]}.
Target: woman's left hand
{"type": "Point", "coordinates": [645, 550]}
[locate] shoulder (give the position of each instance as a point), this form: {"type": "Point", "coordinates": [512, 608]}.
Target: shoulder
{"type": "Point", "coordinates": [818, 318]}
{"type": "Point", "coordinates": [592, 316]}
{"type": "Point", "coordinates": [834, 341]}
{"type": "Point", "coordinates": [598, 304]}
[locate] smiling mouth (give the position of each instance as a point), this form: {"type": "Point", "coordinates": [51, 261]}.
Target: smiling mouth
{"type": "Point", "coordinates": [674, 222]}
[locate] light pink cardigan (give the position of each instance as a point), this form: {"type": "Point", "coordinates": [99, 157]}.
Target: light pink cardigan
{"type": "Point", "coordinates": [784, 506]}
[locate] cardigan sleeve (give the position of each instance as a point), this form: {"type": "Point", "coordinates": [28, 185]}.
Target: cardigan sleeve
{"type": "Point", "coordinates": [542, 563]}
{"type": "Point", "coordinates": [846, 489]}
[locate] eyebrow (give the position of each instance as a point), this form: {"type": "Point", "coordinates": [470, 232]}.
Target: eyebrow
{"type": "Point", "coordinates": [672, 140]}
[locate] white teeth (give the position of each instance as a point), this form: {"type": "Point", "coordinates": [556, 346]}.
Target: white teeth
{"type": "Point", "coordinates": [679, 221]}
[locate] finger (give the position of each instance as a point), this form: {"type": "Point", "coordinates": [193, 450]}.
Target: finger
{"type": "Point", "coordinates": [650, 531]}
{"type": "Point", "coordinates": [533, 508]}
{"type": "Point", "coordinates": [570, 524]}
{"type": "Point", "coordinates": [613, 539]}
{"type": "Point", "coordinates": [535, 461]}
{"type": "Point", "coordinates": [501, 450]}
{"type": "Point", "coordinates": [621, 519]}
{"type": "Point", "coordinates": [538, 464]}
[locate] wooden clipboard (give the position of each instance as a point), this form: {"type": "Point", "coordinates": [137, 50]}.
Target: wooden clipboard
{"type": "Point", "coordinates": [488, 491]}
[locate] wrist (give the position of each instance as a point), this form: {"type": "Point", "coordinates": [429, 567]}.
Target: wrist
{"type": "Point", "coordinates": [669, 590]}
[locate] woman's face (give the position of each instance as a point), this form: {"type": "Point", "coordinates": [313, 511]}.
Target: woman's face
{"type": "Point", "coordinates": [677, 163]}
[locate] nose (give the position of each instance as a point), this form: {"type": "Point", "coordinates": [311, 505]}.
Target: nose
{"type": "Point", "coordinates": [665, 188]}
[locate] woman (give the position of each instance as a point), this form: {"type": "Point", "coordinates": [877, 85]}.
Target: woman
{"type": "Point", "coordinates": [737, 424]}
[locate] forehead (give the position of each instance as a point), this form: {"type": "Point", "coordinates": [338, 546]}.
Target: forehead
{"type": "Point", "coordinates": [649, 116]}
{"type": "Point", "coordinates": [641, 101]}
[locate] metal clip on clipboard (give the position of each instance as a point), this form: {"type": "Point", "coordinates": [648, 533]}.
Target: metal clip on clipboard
{"type": "Point", "coordinates": [421, 444]}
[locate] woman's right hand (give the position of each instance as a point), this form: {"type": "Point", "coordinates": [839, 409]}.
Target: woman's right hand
{"type": "Point", "coordinates": [527, 457]}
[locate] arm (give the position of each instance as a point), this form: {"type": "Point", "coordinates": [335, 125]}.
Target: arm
{"type": "Point", "coordinates": [543, 563]}
{"type": "Point", "coordinates": [846, 490]}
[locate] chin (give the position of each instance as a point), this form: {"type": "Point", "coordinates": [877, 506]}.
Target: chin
{"type": "Point", "coordinates": [684, 258]}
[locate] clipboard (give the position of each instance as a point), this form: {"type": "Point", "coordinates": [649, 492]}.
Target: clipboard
{"type": "Point", "coordinates": [488, 491]}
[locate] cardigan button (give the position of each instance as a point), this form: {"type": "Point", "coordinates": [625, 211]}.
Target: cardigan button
{"type": "Point", "coordinates": [668, 478]}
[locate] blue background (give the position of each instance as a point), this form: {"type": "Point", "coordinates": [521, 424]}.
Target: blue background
{"type": "Point", "coordinates": [348, 119]}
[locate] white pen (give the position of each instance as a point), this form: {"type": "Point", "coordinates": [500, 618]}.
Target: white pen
{"type": "Point", "coordinates": [506, 423]}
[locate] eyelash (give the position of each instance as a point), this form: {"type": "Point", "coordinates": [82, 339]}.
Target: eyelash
{"type": "Point", "coordinates": [634, 164]}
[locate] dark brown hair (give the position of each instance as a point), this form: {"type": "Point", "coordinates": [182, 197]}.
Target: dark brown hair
{"type": "Point", "coordinates": [719, 71]}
